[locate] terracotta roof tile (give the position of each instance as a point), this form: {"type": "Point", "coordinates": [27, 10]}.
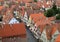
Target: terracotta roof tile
{"type": "Point", "coordinates": [58, 38]}
{"type": "Point", "coordinates": [13, 30]}
{"type": "Point", "coordinates": [1, 7]}
{"type": "Point", "coordinates": [58, 26]}
{"type": "Point", "coordinates": [51, 18]}
{"type": "Point", "coordinates": [27, 4]}
{"type": "Point", "coordinates": [58, 3]}
{"type": "Point", "coordinates": [43, 22]}
{"type": "Point", "coordinates": [29, 11]}
{"type": "Point", "coordinates": [26, 1]}
{"type": "Point", "coordinates": [42, 28]}
{"type": "Point", "coordinates": [39, 4]}
{"type": "Point", "coordinates": [37, 11]}
{"type": "Point", "coordinates": [19, 0]}
{"type": "Point", "coordinates": [54, 28]}
{"type": "Point", "coordinates": [1, 0]}
{"type": "Point", "coordinates": [37, 17]}
{"type": "Point", "coordinates": [23, 11]}
{"type": "Point", "coordinates": [13, 6]}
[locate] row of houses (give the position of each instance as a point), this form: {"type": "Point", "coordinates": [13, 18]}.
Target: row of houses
{"type": "Point", "coordinates": [37, 24]}
{"type": "Point", "coordinates": [32, 14]}
{"type": "Point", "coordinates": [13, 33]}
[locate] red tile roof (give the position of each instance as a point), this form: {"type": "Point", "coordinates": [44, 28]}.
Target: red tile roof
{"type": "Point", "coordinates": [26, 1]}
{"type": "Point", "coordinates": [58, 3]}
{"type": "Point", "coordinates": [13, 6]}
{"type": "Point", "coordinates": [37, 17]}
{"type": "Point", "coordinates": [19, 0]}
{"type": "Point", "coordinates": [1, 0]}
{"type": "Point", "coordinates": [42, 28]}
{"type": "Point", "coordinates": [51, 18]}
{"type": "Point", "coordinates": [39, 4]}
{"type": "Point", "coordinates": [54, 28]}
{"type": "Point", "coordinates": [43, 22]}
{"type": "Point", "coordinates": [23, 12]}
{"type": "Point", "coordinates": [58, 38]}
{"type": "Point", "coordinates": [13, 30]}
{"type": "Point", "coordinates": [1, 7]}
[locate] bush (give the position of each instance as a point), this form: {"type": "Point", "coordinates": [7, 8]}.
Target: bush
{"type": "Point", "coordinates": [49, 13]}
{"type": "Point", "coordinates": [53, 11]}
{"type": "Point", "coordinates": [58, 10]}
{"type": "Point", "coordinates": [35, 0]}
{"type": "Point", "coordinates": [55, 8]}
{"type": "Point", "coordinates": [58, 17]}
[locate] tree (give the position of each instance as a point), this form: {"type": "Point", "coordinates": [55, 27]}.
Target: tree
{"type": "Point", "coordinates": [49, 13]}
{"type": "Point", "coordinates": [55, 8]}
{"type": "Point", "coordinates": [58, 17]}
{"type": "Point", "coordinates": [53, 11]}
{"type": "Point", "coordinates": [35, 0]}
{"type": "Point", "coordinates": [58, 10]}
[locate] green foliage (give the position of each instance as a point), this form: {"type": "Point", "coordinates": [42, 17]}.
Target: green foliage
{"type": "Point", "coordinates": [49, 13]}
{"type": "Point", "coordinates": [55, 8]}
{"type": "Point", "coordinates": [58, 17]}
{"type": "Point", "coordinates": [52, 12]}
{"type": "Point", "coordinates": [35, 0]}
{"type": "Point", "coordinates": [58, 10]}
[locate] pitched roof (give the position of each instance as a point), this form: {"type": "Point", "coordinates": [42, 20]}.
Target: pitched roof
{"type": "Point", "coordinates": [58, 3]}
{"type": "Point", "coordinates": [46, 5]}
{"type": "Point", "coordinates": [51, 18]}
{"type": "Point", "coordinates": [39, 4]}
{"type": "Point", "coordinates": [1, 0]}
{"type": "Point", "coordinates": [54, 28]}
{"type": "Point", "coordinates": [29, 12]}
{"type": "Point", "coordinates": [37, 11]}
{"type": "Point", "coordinates": [43, 22]}
{"type": "Point", "coordinates": [37, 17]}
{"type": "Point", "coordinates": [1, 7]}
{"type": "Point", "coordinates": [58, 38]}
{"type": "Point", "coordinates": [26, 1]}
{"type": "Point", "coordinates": [19, 0]}
{"type": "Point", "coordinates": [57, 21]}
{"type": "Point", "coordinates": [23, 12]}
{"type": "Point", "coordinates": [58, 26]}
{"type": "Point", "coordinates": [41, 28]}
{"type": "Point", "coordinates": [13, 6]}
{"type": "Point", "coordinates": [13, 30]}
